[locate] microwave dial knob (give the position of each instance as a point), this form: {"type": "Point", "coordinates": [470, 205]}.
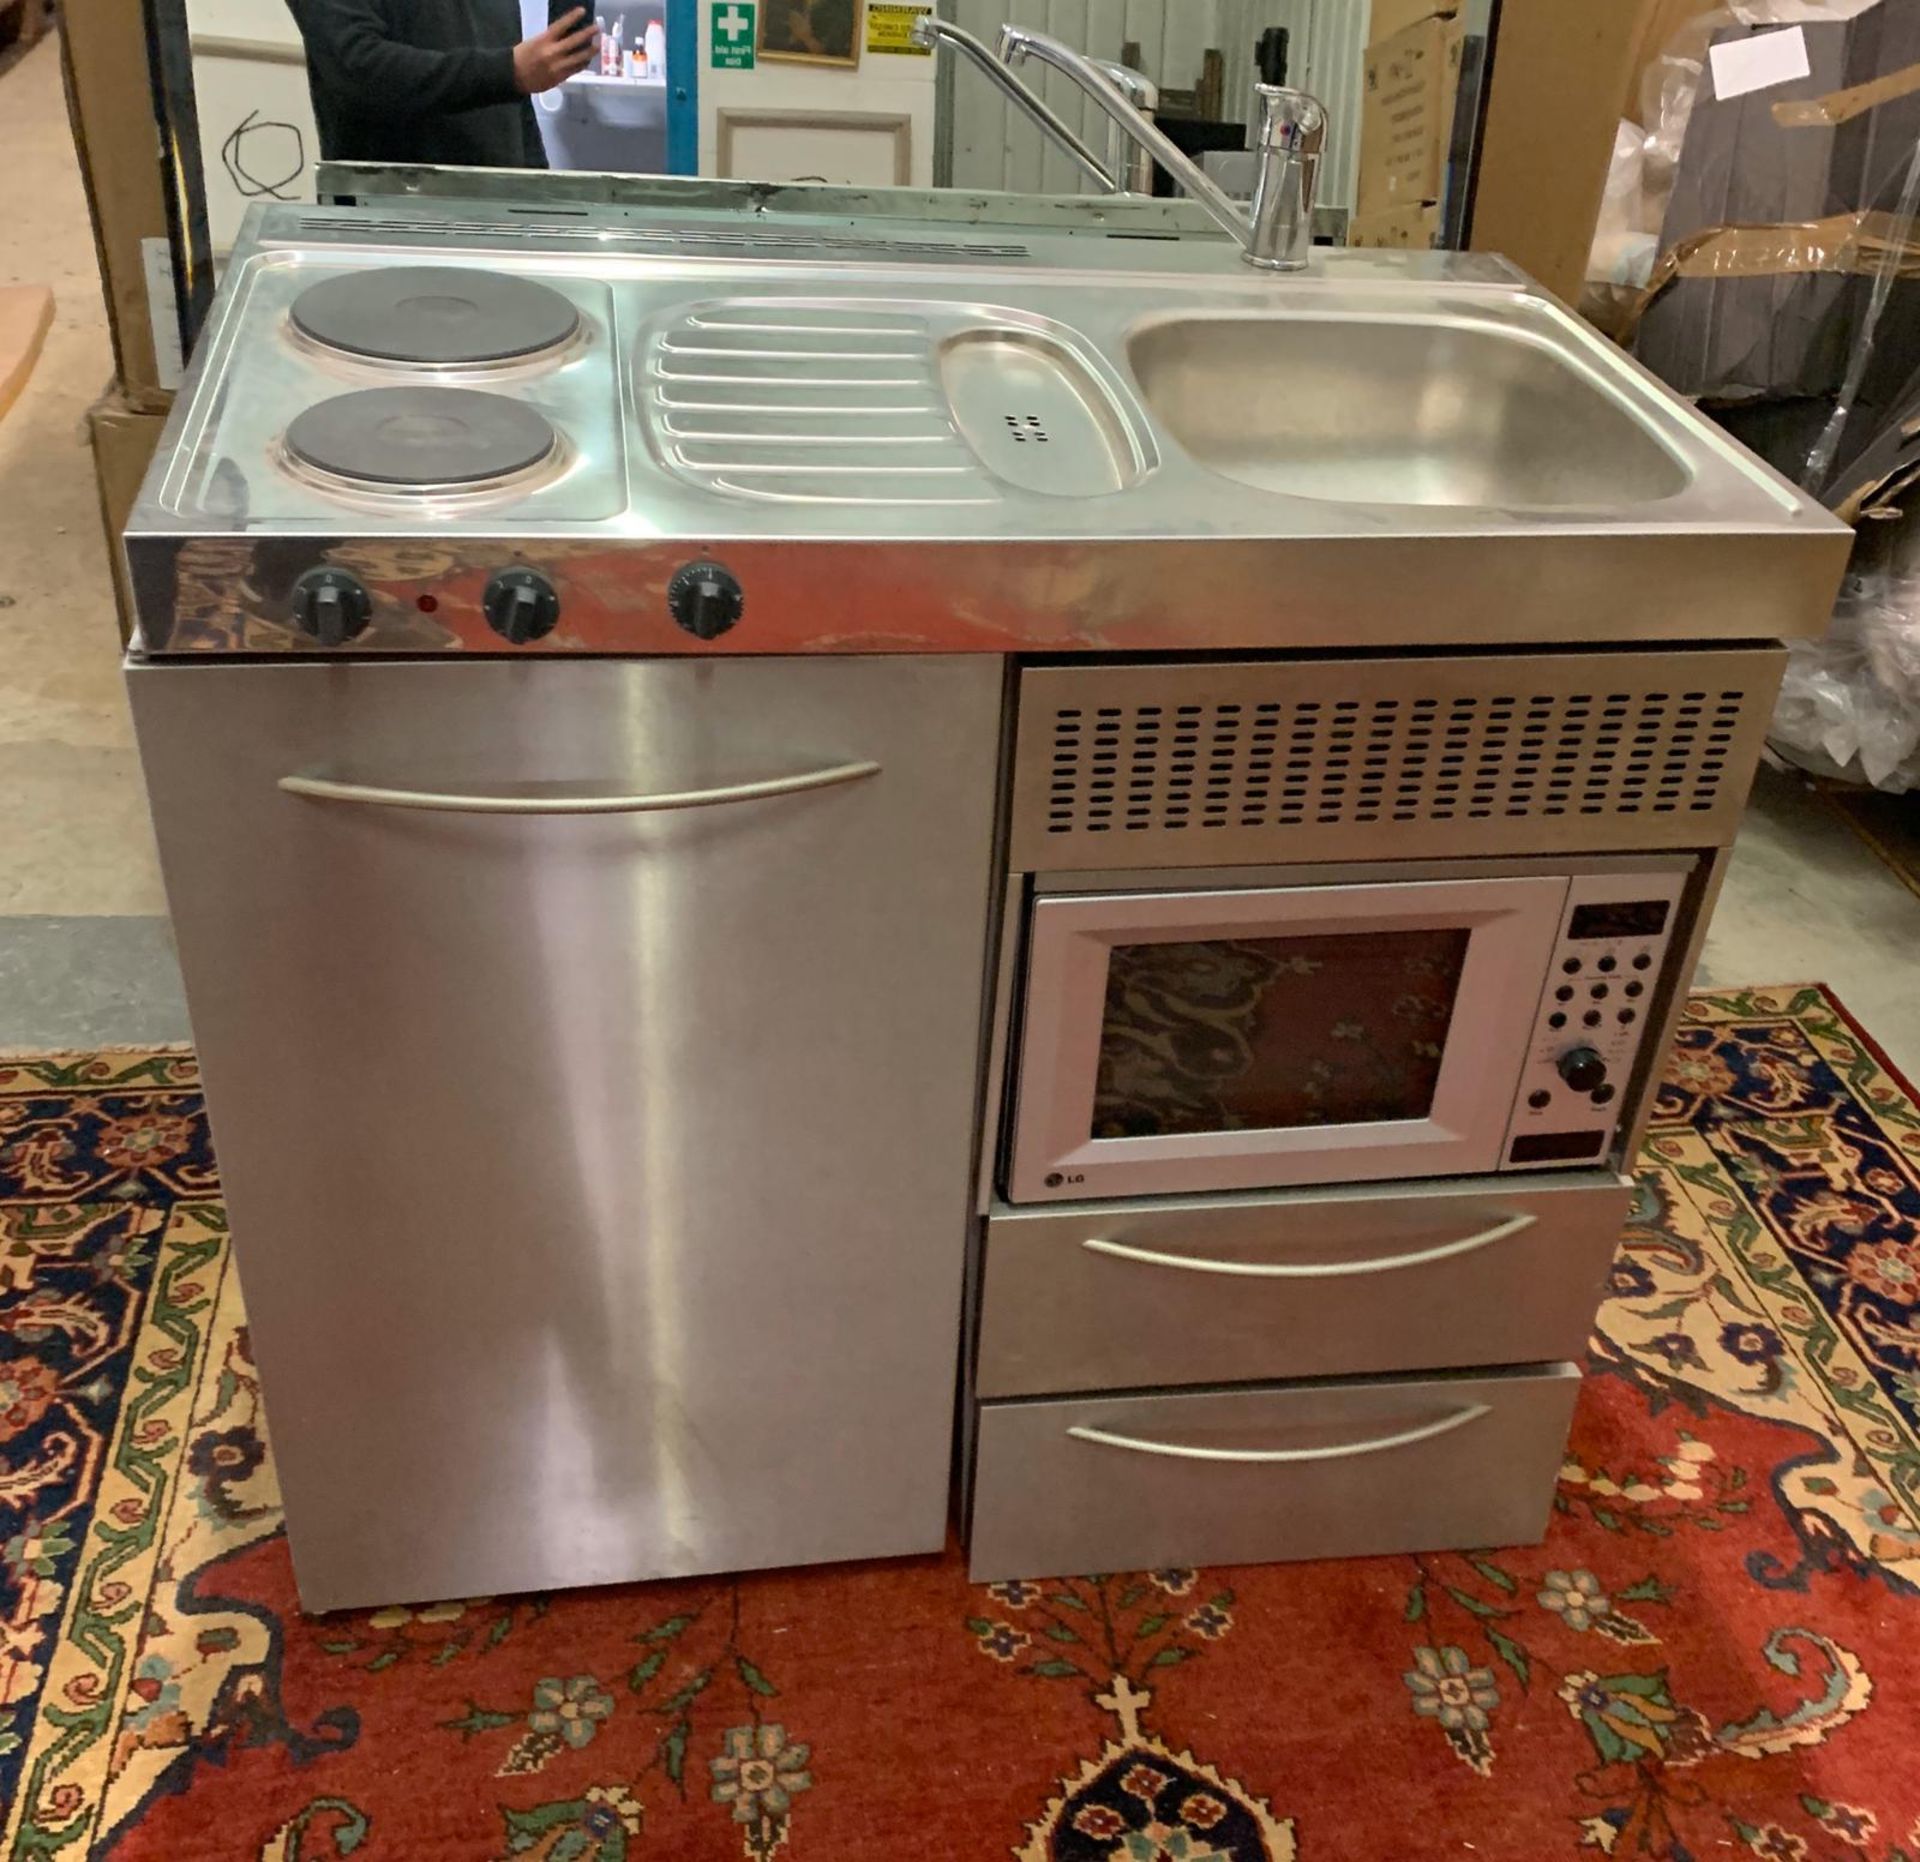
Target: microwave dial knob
{"type": "Point", "coordinates": [330, 606]}
{"type": "Point", "coordinates": [1582, 1069]}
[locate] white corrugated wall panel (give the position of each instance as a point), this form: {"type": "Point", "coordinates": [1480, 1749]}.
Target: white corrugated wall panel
{"type": "Point", "coordinates": [1333, 34]}
{"type": "Point", "coordinates": [996, 147]}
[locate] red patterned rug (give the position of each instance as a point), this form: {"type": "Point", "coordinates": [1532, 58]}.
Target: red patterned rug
{"type": "Point", "coordinates": [1714, 1654]}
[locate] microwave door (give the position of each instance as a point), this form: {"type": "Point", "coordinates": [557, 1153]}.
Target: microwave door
{"type": "Point", "coordinates": [1195, 1041]}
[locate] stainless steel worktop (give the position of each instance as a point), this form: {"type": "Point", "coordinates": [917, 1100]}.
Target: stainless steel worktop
{"type": "Point", "coordinates": [931, 439]}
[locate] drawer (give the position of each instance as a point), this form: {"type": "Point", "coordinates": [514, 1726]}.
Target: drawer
{"type": "Point", "coordinates": [1064, 1485]}
{"type": "Point", "coordinates": [1209, 1290]}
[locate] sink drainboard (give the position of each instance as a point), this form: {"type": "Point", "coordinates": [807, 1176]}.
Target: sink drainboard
{"type": "Point", "coordinates": [849, 403]}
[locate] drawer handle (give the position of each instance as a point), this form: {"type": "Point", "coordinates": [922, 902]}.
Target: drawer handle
{"type": "Point", "coordinates": [1337, 1451]}
{"type": "Point", "coordinates": [1316, 1270]}
{"type": "Point", "coordinates": [321, 789]}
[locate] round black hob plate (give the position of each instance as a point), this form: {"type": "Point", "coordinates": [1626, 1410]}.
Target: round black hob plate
{"type": "Point", "coordinates": [434, 314]}
{"type": "Point", "coordinates": [403, 438]}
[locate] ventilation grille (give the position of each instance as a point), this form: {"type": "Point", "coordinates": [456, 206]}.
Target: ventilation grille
{"type": "Point", "coordinates": [1275, 762]}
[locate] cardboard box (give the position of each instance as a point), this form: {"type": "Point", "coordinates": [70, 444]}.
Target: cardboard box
{"type": "Point", "coordinates": [1413, 227]}
{"type": "Point", "coordinates": [1406, 115]}
{"type": "Point", "coordinates": [1389, 18]}
{"type": "Point", "coordinates": [110, 99]}
{"type": "Point", "coordinates": [124, 440]}
{"type": "Point", "coordinates": [1559, 72]}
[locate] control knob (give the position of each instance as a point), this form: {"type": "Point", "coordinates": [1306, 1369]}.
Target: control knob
{"type": "Point", "coordinates": [521, 605]}
{"type": "Point", "coordinates": [705, 599]}
{"type": "Point", "coordinates": [331, 606]}
{"type": "Point", "coordinates": [1582, 1069]}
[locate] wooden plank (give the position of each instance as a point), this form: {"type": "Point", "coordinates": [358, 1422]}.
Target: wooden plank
{"type": "Point", "coordinates": [26, 314]}
{"type": "Point", "coordinates": [1241, 23]}
{"type": "Point", "coordinates": [1146, 23]}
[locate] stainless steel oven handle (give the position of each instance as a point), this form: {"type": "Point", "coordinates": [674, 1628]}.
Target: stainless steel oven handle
{"type": "Point", "coordinates": [321, 789]}
{"type": "Point", "coordinates": [1335, 1451]}
{"type": "Point", "coordinates": [1315, 1270]}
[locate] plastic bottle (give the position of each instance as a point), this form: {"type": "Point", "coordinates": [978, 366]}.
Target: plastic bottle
{"type": "Point", "coordinates": [656, 51]}
{"type": "Point", "coordinates": [612, 53]}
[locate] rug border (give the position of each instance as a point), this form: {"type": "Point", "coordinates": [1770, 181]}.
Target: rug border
{"type": "Point", "coordinates": [1872, 1046]}
{"type": "Point", "coordinates": [8, 1054]}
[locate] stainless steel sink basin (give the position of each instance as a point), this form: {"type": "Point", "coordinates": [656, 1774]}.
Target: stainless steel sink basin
{"type": "Point", "coordinates": [1430, 411]}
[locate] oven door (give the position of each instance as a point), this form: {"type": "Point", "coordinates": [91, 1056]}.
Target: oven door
{"type": "Point", "coordinates": [1188, 1041]}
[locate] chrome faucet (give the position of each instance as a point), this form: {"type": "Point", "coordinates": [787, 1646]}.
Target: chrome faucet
{"type": "Point", "coordinates": [1289, 132]}
{"type": "Point", "coordinates": [1129, 163]}
{"type": "Point", "coordinates": [928, 33]}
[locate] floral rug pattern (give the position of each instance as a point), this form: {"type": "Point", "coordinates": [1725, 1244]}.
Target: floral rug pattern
{"type": "Point", "coordinates": [1713, 1655]}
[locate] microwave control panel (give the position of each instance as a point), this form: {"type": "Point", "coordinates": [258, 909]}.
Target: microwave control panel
{"type": "Point", "coordinates": [1592, 1020]}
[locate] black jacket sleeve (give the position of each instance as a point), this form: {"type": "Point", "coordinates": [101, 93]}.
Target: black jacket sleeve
{"type": "Point", "coordinates": [350, 47]}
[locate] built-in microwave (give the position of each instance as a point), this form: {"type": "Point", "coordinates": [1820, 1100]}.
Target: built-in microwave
{"type": "Point", "coordinates": [1222, 1038]}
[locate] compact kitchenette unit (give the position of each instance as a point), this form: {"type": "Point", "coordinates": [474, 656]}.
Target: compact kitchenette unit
{"type": "Point", "coordinates": [770, 821]}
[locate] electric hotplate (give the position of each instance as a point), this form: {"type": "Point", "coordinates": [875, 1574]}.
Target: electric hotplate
{"type": "Point", "coordinates": [434, 315]}
{"type": "Point", "coordinates": [402, 439]}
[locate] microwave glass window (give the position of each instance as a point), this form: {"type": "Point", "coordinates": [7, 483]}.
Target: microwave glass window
{"type": "Point", "coordinates": [1252, 1034]}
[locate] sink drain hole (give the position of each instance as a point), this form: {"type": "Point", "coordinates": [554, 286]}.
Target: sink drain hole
{"type": "Point", "coordinates": [1025, 427]}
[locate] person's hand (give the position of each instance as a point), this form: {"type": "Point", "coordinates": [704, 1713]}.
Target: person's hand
{"type": "Point", "coordinates": [553, 56]}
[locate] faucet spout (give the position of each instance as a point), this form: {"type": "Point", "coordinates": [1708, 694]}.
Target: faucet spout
{"type": "Point", "coordinates": [929, 33]}
{"type": "Point", "coordinates": [1129, 162]}
{"type": "Point", "coordinates": [1277, 235]}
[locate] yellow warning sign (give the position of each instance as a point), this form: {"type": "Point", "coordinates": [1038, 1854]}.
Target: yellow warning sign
{"type": "Point", "coordinates": [890, 28]}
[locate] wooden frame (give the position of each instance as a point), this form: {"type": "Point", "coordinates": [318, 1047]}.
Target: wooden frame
{"type": "Point", "coordinates": [781, 49]}
{"type": "Point", "coordinates": [897, 125]}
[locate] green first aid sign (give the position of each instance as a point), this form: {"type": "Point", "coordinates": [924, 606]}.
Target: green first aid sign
{"type": "Point", "coordinates": [733, 35]}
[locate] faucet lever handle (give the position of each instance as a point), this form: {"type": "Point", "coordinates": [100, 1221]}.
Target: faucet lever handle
{"type": "Point", "coordinates": [1291, 120]}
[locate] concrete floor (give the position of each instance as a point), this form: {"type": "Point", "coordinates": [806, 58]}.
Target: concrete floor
{"type": "Point", "coordinates": [84, 956]}
{"type": "Point", "coordinates": [1807, 901]}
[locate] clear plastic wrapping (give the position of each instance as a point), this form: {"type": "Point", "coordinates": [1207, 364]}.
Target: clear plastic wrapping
{"type": "Point", "coordinates": [1670, 85]}
{"type": "Point", "coordinates": [1897, 257]}
{"type": "Point", "coordinates": [1851, 699]}
{"type": "Point", "coordinates": [1646, 153]}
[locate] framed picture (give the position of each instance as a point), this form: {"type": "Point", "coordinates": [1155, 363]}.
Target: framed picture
{"type": "Point", "coordinates": [844, 148]}
{"type": "Point", "coordinates": [810, 32]}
